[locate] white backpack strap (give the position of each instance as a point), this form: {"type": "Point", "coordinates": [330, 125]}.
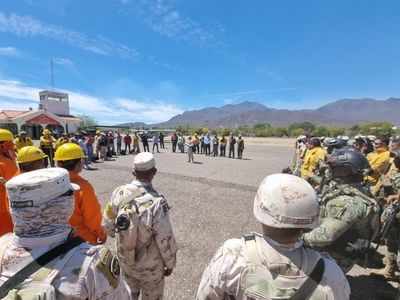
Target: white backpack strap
{"type": "Point", "coordinates": [251, 250]}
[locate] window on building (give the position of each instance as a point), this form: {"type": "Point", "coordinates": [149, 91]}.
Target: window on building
{"type": "Point", "coordinates": [10, 126]}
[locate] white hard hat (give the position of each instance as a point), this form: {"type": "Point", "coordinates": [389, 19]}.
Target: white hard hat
{"type": "Point", "coordinates": [144, 161]}
{"type": "Point", "coordinates": [36, 187]}
{"type": "Point", "coordinates": [345, 137]}
{"type": "Point", "coordinates": [286, 201]}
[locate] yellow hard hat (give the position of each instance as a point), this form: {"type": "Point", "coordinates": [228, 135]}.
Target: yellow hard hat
{"type": "Point", "coordinates": [98, 131]}
{"type": "Point", "coordinates": [29, 153]}
{"type": "Point", "coordinates": [68, 151]}
{"type": "Point", "coordinates": [5, 135]}
{"type": "Point", "coordinates": [46, 131]}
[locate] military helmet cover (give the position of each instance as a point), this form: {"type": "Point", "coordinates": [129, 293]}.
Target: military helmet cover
{"type": "Point", "coordinates": [286, 201]}
{"type": "Point", "coordinates": [144, 161]}
{"type": "Point", "coordinates": [29, 153]}
{"type": "Point", "coordinates": [37, 187]}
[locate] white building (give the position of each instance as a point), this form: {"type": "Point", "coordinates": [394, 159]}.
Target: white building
{"type": "Point", "coordinates": [52, 114]}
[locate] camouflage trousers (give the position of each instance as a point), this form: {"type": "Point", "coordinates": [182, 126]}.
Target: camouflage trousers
{"type": "Point", "coordinates": [393, 241]}
{"type": "Point", "coordinates": [149, 290]}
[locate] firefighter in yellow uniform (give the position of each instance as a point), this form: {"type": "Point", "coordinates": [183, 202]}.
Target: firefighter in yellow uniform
{"type": "Point", "coordinates": [379, 160]}
{"type": "Point", "coordinates": [313, 155]}
{"type": "Point", "coordinates": [63, 140]}
{"type": "Point", "coordinates": [47, 142]}
{"type": "Point", "coordinates": [22, 141]}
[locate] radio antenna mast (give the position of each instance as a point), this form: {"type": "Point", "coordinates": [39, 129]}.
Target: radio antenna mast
{"type": "Point", "coordinates": [52, 73]}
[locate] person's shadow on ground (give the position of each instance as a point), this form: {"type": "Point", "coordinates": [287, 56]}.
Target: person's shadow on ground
{"type": "Point", "coordinates": [365, 287]}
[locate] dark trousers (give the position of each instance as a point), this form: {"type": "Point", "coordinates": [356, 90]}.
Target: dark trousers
{"type": "Point", "coordinates": [146, 146]}
{"type": "Point", "coordinates": [207, 148]}
{"type": "Point", "coordinates": [162, 144]}
{"type": "Point", "coordinates": [49, 151]}
{"type": "Point", "coordinates": [129, 147]}
{"type": "Point", "coordinates": [222, 149]}
{"type": "Point", "coordinates": [215, 149]}
{"type": "Point", "coordinates": [174, 146]}
{"type": "Point", "coordinates": [240, 153]}
{"type": "Point", "coordinates": [232, 152]}
{"type": "Point", "coordinates": [155, 145]}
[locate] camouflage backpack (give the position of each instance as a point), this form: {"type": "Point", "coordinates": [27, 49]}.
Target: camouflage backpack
{"type": "Point", "coordinates": [259, 281]}
{"type": "Point", "coordinates": [130, 210]}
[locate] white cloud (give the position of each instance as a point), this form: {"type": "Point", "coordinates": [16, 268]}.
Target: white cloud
{"type": "Point", "coordinates": [165, 20]}
{"type": "Point", "coordinates": [9, 51]}
{"type": "Point", "coordinates": [28, 26]}
{"type": "Point", "coordinates": [16, 95]}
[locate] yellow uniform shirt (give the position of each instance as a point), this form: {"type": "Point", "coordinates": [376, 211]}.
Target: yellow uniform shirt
{"type": "Point", "coordinates": [310, 161]}
{"type": "Point", "coordinates": [379, 162]}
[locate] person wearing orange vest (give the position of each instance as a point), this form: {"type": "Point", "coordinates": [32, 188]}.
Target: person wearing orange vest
{"type": "Point", "coordinates": [87, 216]}
{"type": "Point", "coordinates": [8, 169]}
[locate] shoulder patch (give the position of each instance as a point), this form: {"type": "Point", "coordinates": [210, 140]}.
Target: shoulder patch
{"type": "Point", "coordinates": [108, 265]}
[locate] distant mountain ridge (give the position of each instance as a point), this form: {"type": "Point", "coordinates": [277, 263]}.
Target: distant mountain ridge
{"type": "Point", "coordinates": [341, 112]}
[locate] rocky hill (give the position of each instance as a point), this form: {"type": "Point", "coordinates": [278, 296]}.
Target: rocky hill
{"type": "Point", "coordinates": [341, 112]}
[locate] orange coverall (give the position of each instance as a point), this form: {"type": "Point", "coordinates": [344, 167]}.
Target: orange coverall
{"type": "Point", "coordinates": [87, 212]}
{"type": "Point", "coordinates": [8, 169]}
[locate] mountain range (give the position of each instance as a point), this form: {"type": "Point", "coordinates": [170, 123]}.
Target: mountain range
{"type": "Point", "coordinates": [344, 112]}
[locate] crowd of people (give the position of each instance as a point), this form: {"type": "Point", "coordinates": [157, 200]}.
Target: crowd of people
{"type": "Point", "coordinates": [317, 222]}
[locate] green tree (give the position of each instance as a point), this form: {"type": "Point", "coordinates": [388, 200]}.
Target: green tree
{"type": "Point", "coordinates": [337, 130]}
{"type": "Point", "coordinates": [306, 125]}
{"type": "Point", "coordinates": [280, 131]}
{"type": "Point", "coordinates": [378, 128]}
{"type": "Point", "coordinates": [321, 130]}
{"type": "Point", "coordinates": [87, 121]}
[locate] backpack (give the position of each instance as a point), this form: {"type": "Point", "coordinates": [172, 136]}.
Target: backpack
{"type": "Point", "coordinates": [258, 282]}
{"type": "Point", "coordinates": [39, 287]}
{"type": "Point", "coordinates": [130, 210]}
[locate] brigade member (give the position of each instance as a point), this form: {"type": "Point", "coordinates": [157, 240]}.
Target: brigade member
{"type": "Point", "coordinates": [378, 160]}
{"type": "Point", "coordinates": [349, 215]}
{"type": "Point", "coordinates": [138, 217]}
{"type": "Point", "coordinates": [136, 147]}
{"type": "Point", "coordinates": [30, 158]}
{"type": "Point", "coordinates": [86, 217]}
{"type": "Point", "coordinates": [240, 146]}
{"type": "Point", "coordinates": [8, 169]}
{"type": "Point", "coordinates": [276, 264]}
{"type": "Point", "coordinates": [232, 142]}
{"type": "Point", "coordinates": [22, 141]}
{"type": "Point", "coordinates": [393, 239]}
{"type": "Point", "coordinates": [41, 204]}
{"type": "Point", "coordinates": [313, 155]}
{"type": "Point", "coordinates": [47, 142]}
{"type": "Point", "coordinates": [63, 140]}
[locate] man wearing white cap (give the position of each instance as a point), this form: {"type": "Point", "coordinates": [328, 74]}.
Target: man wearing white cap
{"type": "Point", "coordinates": [138, 217]}
{"type": "Point", "coordinates": [63, 267]}
{"type": "Point", "coordinates": [275, 265]}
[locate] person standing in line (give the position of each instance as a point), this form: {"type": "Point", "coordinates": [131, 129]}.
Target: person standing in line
{"type": "Point", "coordinates": [222, 146]}
{"type": "Point", "coordinates": [232, 142]}
{"type": "Point", "coordinates": [41, 204]}
{"type": "Point", "coordinates": [136, 148]}
{"type": "Point", "coordinates": [181, 142]}
{"type": "Point", "coordinates": [161, 139]}
{"type": "Point", "coordinates": [174, 141]}
{"type": "Point", "coordinates": [155, 142]}
{"type": "Point", "coordinates": [202, 145]}
{"type": "Point", "coordinates": [189, 145]}
{"type": "Point", "coordinates": [119, 143]}
{"type": "Point", "coordinates": [276, 264]}
{"type": "Point", "coordinates": [127, 142]}
{"type": "Point", "coordinates": [196, 142]}
{"type": "Point", "coordinates": [207, 144]}
{"type": "Point", "coordinates": [8, 169]}
{"type": "Point", "coordinates": [30, 158]}
{"type": "Point", "coordinates": [215, 143]}
{"type": "Point", "coordinates": [138, 217]}
{"type": "Point", "coordinates": [47, 143]}
{"type": "Point", "coordinates": [145, 142]}
{"type": "Point", "coordinates": [240, 146]}
{"type": "Point", "coordinates": [86, 217]}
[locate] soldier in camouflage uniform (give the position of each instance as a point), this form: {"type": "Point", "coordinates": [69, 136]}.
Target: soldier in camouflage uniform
{"type": "Point", "coordinates": [393, 239]}
{"type": "Point", "coordinates": [275, 265]}
{"type": "Point", "coordinates": [154, 255]}
{"type": "Point", "coordinates": [349, 215]}
{"type": "Point", "coordinates": [41, 204]}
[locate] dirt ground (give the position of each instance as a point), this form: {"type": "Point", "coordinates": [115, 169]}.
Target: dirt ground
{"type": "Point", "coordinates": [211, 202]}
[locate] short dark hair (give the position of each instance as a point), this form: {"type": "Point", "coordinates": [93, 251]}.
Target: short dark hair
{"type": "Point", "coordinates": [384, 140]}
{"type": "Point", "coordinates": [69, 165]}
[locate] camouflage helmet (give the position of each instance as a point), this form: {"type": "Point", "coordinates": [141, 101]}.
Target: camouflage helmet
{"type": "Point", "coordinates": [348, 159]}
{"type": "Point", "coordinates": [286, 201]}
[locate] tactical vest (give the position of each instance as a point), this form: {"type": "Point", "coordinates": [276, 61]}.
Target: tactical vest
{"type": "Point", "coordinates": [354, 242]}
{"type": "Point", "coordinates": [267, 279]}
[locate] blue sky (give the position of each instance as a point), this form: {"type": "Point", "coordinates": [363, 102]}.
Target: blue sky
{"type": "Point", "coordinates": [127, 60]}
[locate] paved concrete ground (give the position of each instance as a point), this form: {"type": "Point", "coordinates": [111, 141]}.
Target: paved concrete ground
{"type": "Point", "coordinates": [211, 201]}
